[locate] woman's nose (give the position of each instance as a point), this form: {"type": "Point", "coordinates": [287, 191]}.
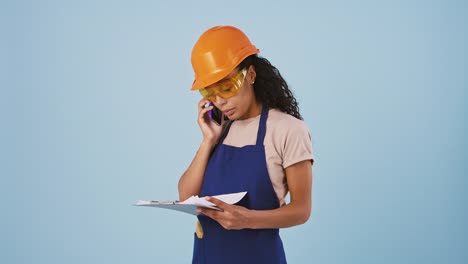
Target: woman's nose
{"type": "Point", "coordinates": [220, 100]}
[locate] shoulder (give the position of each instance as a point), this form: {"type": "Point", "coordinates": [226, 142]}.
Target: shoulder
{"type": "Point", "coordinates": [280, 122]}
{"type": "Point", "coordinates": [289, 137]}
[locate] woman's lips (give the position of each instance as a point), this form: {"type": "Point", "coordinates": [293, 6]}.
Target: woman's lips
{"type": "Point", "coordinates": [229, 112]}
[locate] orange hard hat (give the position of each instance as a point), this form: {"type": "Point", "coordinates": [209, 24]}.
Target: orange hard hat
{"type": "Point", "coordinates": [217, 52]}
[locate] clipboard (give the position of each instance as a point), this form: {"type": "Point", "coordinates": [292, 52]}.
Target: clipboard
{"type": "Point", "coordinates": [190, 205]}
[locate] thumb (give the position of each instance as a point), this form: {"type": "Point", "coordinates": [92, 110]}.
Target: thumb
{"type": "Point", "coordinates": [217, 202]}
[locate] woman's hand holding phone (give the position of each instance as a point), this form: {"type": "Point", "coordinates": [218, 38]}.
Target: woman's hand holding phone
{"type": "Point", "coordinates": [210, 129]}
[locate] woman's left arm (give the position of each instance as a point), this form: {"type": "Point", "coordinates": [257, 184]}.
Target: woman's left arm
{"type": "Point", "coordinates": [299, 178]}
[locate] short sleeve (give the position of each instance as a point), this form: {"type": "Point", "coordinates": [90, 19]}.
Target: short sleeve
{"type": "Point", "coordinates": [297, 144]}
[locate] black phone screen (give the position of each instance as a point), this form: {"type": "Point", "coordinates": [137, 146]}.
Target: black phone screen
{"type": "Point", "coordinates": [216, 115]}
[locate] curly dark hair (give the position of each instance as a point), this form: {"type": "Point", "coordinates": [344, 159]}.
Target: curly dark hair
{"type": "Point", "coordinates": [270, 88]}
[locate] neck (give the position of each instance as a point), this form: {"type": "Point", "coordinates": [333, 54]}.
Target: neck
{"type": "Point", "coordinates": [254, 110]}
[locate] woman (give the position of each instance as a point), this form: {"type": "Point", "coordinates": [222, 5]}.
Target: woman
{"type": "Point", "coordinates": [264, 148]}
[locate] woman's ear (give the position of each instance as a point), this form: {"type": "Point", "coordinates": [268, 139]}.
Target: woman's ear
{"type": "Point", "coordinates": [251, 74]}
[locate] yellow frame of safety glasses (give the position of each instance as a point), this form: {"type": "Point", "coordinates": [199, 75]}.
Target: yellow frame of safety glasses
{"type": "Point", "coordinates": [225, 88]}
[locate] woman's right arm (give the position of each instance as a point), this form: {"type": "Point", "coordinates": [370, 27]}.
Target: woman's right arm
{"type": "Point", "coordinates": [191, 181]}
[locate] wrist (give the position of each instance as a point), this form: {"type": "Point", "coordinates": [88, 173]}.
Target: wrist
{"type": "Point", "coordinates": [251, 223]}
{"type": "Point", "coordinates": [208, 144]}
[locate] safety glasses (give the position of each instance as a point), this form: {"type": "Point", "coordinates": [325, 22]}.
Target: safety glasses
{"type": "Point", "coordinates": [226, 88]}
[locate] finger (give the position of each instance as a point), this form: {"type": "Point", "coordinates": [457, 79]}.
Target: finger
{"type": "Point", "coordinates": [202, 113]}
{"type": "Point", "coordinates": [204, 106]}
{"type": "Point", "coordinates": [202, 103]}
{"type": "Point", "coordinates": [214, 214]}
{"type": "Point", "coordinates": [207, 108]}
{"type": "Point", "coordinates": [217, 202]}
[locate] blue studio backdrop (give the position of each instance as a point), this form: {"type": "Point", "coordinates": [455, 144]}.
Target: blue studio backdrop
{"type": "Point", "coordinates": [97, 113]}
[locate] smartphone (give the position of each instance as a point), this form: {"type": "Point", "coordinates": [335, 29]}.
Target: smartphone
{"type": "Point", "coordinates": [215, 114]}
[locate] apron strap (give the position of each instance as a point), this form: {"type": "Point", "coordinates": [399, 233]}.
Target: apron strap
{"type": "Point", "coordinates": [262, 126]}
{"type": "Point", "coordinates": [225, 132]}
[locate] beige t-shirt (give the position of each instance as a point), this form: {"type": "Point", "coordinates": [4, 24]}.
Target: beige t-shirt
{"type": "Point", "coordinates": [287, 141]}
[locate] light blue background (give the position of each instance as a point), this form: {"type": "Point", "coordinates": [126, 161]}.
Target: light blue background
{"type": "Point", "coordinates": [96, 113]}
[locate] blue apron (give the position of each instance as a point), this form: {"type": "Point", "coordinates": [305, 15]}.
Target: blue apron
{"type": "Point", "coordinates": [235, 169]}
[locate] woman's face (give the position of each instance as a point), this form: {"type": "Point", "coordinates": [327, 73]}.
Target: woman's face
{"type": "Point", "coordinates": [242, 105]}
